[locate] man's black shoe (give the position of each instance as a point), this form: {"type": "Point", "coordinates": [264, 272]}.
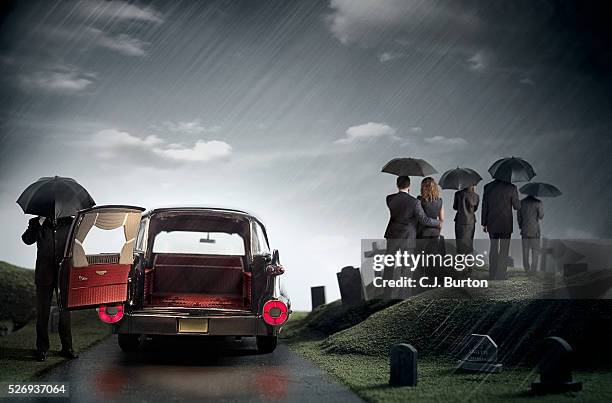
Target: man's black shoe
{"type": "Point", "coordinates": [70, 354]}
{"type": "Point", "coordinates": [41, 356]}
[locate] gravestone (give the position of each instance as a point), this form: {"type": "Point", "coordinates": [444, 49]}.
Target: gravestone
{"type": "Point", "coordinates": [317, 296]}
{"type": "Point", "coordinates": [479, 354]}
{"type": "Point", "coordinates": [351, 286]}
{"type": "Point", "coordinates": [54, 319]}
{"type": "Point", "coordinates": [555, 367]}
{"type": "Point", "coordinates": [571, 269]}
{"type": "Point", "coordinates": [403, 371]}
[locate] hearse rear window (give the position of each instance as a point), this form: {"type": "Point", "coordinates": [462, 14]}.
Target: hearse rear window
{"type": "Point", "coordinates": [206, 243]}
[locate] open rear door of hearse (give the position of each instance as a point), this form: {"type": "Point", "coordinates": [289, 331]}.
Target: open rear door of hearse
{"type": "Point", "coordinates": [98, 257]}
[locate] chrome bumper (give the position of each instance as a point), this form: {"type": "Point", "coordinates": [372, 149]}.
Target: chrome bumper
{"type": "Point", "coordinates": [165, 324]}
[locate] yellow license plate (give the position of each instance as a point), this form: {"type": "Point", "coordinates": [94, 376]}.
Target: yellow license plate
{"type": "Point", "coordinates": [192, 325]}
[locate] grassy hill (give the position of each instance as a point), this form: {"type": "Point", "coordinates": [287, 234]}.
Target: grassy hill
{"type": "Point", "coordinates": [17, 295]}
{"type": "Point", "coordinates": [437, 321]}
{"type": "Point", "coordinates": [330, 318]}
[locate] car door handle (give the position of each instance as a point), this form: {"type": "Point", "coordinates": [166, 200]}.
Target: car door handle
{"type": "Point", "coordinates": [100, 272]}
{"type": "Point", "coordinates": [82, 278]}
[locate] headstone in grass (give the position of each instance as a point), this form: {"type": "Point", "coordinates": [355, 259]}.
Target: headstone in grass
{"type": "Point", "coordinates": [555, 368]}
{"type": "Point", "coordinates": [351, 286]}
{"type": "Point", "coordinates": [403, 365]}
{"type": "Point", "coordinates": [317, 296]}
{"type": "Point", "coordinates": [478, 353]}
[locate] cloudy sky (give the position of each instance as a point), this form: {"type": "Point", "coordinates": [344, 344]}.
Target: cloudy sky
{"type": "Point", "coordinates": [289, 109]}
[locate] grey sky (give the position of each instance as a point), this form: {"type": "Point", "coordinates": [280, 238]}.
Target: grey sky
{"type": "Point", "coordinates": [290, 109]}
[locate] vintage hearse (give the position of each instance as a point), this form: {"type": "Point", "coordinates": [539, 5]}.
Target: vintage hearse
{"type": "Point", "coordinates": [176, 271]}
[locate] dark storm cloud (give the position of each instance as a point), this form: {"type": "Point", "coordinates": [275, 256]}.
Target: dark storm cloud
{"type": "Point", "coordinates": [516, 37]}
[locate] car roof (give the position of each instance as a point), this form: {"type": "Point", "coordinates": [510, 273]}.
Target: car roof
{"type": "Point", "coordinates": [200, 209]}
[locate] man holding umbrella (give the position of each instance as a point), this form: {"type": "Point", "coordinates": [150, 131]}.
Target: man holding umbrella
{"type": "Point", "coordinates": [54, 201]}
{"type": "Point", "coordinates": [405, 211]}
{"type": "Point", "coordinates": [500, 197]}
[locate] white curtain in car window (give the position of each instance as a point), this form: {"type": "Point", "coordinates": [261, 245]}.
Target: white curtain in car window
{"type": "Point", "coordinates": [79, 259]}
{"type": "Point", "coordinates": [107, 221]}
{"type": "Point", "coordinates": [130, 229]}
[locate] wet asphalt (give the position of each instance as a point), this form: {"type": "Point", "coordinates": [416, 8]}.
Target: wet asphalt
{"type": "Point", "coordinates": [195, 369]}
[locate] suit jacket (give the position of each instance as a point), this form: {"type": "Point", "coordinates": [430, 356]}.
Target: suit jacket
{"type": "Point", "coordinates": [466, 204]}
{"type": "Point", "coordinates": [529, 216]}
{"type": "Point", "coordinates": [432, 210]}
{"type": "Point", "coordinates": [498, 200]}
{"type": "Point", "coordinates": [50, 242]}
{"type": "Point", "coordinates": [405, 212]}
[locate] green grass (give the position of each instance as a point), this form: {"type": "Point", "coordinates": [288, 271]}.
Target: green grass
{"type": "Point", "coordinates": [17, 362]}
{"type": "Point", "coordinates": [435, 322]}
{"type": "Point", "coordinates": [368, 376]}
{"type": "Point", "coordinates": [330, 318]}
{"type": "Point", "coordinates": [17, 306]}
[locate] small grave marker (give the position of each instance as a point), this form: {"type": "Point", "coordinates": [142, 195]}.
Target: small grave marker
{"type": "Point", "coordinates": [479, 354]}
{"type": "Point", "coordinates": [351, 286]}
{"type": "Point", "coordinates": [555, 367]}
{"type": "Point", "coordinates": [317, 296]}
{"type": "Point", "coordinates": [403, 365]}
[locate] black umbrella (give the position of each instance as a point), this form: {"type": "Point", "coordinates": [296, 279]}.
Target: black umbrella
{"type": "Point", "coordinates": [540, 189]}
{"type": "Point", "coordinates": [54, 197]}
{"type": "Point", "coordinates": [408, 167]}
{"type": "Point", "coordinates": [459, 178]}
{"type": "Point", "coordinates": [512, 170]}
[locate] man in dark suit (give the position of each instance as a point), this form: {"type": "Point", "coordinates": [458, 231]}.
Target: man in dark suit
{"type": "Point", "coordinates": [465, 203]}
{"type": "Point", "coordinates": [50, 237]}
{"type": "Point", "coordinates": [528, 217]}
{"type": "Point", "coordinates": [405, 213]}
{"type": "Point", "coordinates": [498, 200]}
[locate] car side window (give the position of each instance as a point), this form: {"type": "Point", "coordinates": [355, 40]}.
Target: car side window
{"type": "Point", "coordinates": [141, 238]}
{"type": "Point", "coordinates": [259, 244]}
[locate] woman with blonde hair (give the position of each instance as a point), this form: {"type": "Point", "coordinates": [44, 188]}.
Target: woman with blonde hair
{"type": "Point", "coordinates": [432, 205]}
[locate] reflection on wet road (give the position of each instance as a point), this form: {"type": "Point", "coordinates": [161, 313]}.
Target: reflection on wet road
{"type": "Point", "coordinates": [190, 368]}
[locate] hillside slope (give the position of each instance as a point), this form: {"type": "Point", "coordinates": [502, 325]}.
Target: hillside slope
{"type": "Point", "coordinates": [17, 295]}
{"type": "Point", "coordinates": [436, 323]}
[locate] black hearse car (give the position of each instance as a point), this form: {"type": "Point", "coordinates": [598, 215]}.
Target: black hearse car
{"type": "Point", "coordinates": [177, 271]}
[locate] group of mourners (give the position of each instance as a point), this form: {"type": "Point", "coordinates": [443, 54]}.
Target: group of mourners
{"type": "Point", "coordinates": [422, 217]}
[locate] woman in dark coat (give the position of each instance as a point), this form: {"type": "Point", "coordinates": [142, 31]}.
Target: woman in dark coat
{"type": "Point", "coordinates": [431, 201]}
{"type": "Point", "coordinates": [465, 203]}
{"type": "Point", "coordinates": [432, 205]}
{"type": "Point", "coordinates": [430, 240]}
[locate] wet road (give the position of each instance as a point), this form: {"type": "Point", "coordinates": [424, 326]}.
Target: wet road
{"type": "Point", "coordinates": [188, 369]}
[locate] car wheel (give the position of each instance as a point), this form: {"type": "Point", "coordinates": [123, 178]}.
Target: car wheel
{"type": "Point", "coordinates": [128, 342]}
{"type": "Point", "coordinates": [266, 344]}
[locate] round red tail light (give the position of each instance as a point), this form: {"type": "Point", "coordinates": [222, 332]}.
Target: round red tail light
{"type": "Point", "coordinates": [110, 314]}
{"type": "Point", "coordinates": [275, 312]}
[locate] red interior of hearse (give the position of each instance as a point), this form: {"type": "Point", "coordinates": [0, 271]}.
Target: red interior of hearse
{"type": "Point", "coordinates": [197, 281]}
{"type": "Point", "coordinates": [172, 278]}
